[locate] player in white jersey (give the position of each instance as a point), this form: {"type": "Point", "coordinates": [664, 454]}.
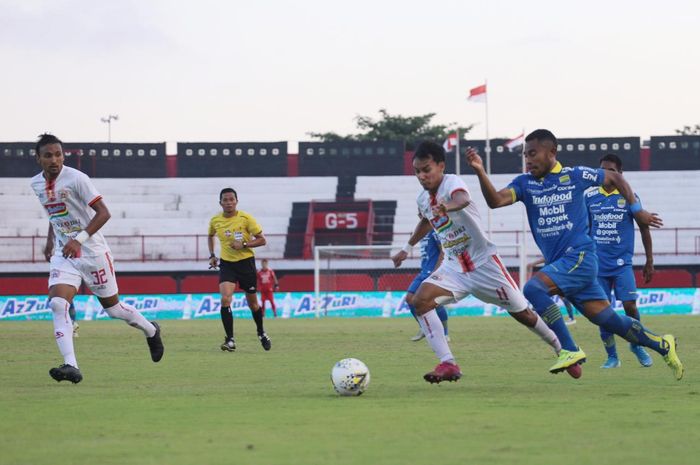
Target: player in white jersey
{"type": "Point", "coordinates": [471, 264]}
{"type": "Point", "coordinates": [80, 253]}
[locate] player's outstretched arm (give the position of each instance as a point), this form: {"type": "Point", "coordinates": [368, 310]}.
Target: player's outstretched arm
{"type": "Point", "coordinates": [102, 215]}
{"type": "Point", "coordinates": [494, 198]}
{"type": "Point", "coordinates": [642, 216]}
{"type": "Point", "coordinates": [422, 228]}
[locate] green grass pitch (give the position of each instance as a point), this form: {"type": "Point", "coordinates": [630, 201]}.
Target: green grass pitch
{"type": "Point", "coordinates": [204, 406]}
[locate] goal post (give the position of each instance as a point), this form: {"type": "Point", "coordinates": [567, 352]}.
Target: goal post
{"type": "Point", "coordinates": [340, 269]}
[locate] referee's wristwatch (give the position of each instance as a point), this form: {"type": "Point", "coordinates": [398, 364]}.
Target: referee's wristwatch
{"type": "Point", "coordinates": [245, 244]}
{"type": "Point", "coordinates": [213, 255]}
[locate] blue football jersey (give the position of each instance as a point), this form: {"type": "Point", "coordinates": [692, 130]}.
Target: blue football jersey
{"type": "Point", "coordinates": [429, 252]}
{"type": "Point", "coordinates": [556, 209]}
{"type": "Point", "coordinates": [612, 229]}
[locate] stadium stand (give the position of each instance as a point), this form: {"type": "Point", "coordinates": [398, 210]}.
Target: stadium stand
{"type": "Point", "coordinates": [172, 207]}
{"type": "Point", "coordinates": [577, 151]}
{"type": "Point", "coordinates": [675, 152]}
{"type": "Point", "coordinates": [160, 219]}
{"type": "Point", "coordinates": [122, 160]}
{"type": "Point", "coordinates": [672, 194]}
{"type": "Point", "coordinates": [350, 158]}
{"type": "Point", "coordinates": [239, 159]}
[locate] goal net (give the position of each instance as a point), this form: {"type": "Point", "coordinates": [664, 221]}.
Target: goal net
{"type": "Point", "coordinates": [360, 280]}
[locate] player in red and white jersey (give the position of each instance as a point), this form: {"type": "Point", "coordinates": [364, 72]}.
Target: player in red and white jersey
{"type": "Point", "coordinates": [267, 284]}
{"type": "Point", "coordinates": [464, 243]}
{"type": "Point", "coordinates": [80, 253]}
{"type": "Point", "coordinates": [471, 264]}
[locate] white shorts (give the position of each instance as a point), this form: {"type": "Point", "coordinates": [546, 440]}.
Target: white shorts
{"type": "Point", "coordinates": [490, 282]}
{"type": "Point", "coordinates": [97, 273]}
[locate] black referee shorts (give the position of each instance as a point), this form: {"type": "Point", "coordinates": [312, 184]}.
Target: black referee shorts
{"type": "Point", "coordinates": [242, 272]}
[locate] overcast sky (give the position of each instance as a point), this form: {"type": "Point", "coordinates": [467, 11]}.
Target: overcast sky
{"type": "Point", "coordinates": [273, 70]}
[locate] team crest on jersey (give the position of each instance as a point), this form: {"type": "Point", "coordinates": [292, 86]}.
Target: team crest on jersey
{"type": "Point", "coordinates": [227, 233]}
{"type": "Point", "coordinates": [441, 223]}
{"type": "Point", "coordinates": [56, 210]}
{"type": "Point", "coordinates": [621, 203]}
{"type": "Point", "coordinates": [565, 180]}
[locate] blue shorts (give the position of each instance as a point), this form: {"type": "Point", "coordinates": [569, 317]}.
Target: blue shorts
{"type": "Point", "coordinates": [415, 284]}
{"type": "Point", "coordinates": [622, 283]}
{"type": "Point", "coordinates": [575, 274]}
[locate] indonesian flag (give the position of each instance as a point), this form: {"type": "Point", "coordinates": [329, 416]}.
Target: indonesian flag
{"type": "Point", "coordinates": [478, 94]}
{"type": "Point", "coordinates": [515, 142]}
{"type": "Point", "coordinates": [450, 142]}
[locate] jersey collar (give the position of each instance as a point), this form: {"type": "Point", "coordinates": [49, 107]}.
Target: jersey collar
{"type": "Point", "coordinates": [606, 193]}
{"type": "Point", "coordinates": [556, 170]}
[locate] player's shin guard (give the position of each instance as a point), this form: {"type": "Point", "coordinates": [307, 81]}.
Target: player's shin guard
{"type": "Point", "coordinates": [435, 335]}
{"type": "Point", "coordinates": [608, 339]}
{"type": "Point", "coordinates": [630, 329]}
{"type": "Point", "coordinates": [63, 330]}
{"type": "Point", "coordinates": [133, 317]}
{"type": "Point", "coordinates": [536, 292]}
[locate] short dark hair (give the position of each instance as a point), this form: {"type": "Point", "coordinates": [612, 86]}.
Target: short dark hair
{"type": "Point", "coordinates": [611, 157]}
{"type": "Point", "coordinates": [226, 190]}
{"type": "Point", "coordinates": [428, 149]}
{"type": "Point", "coordinates": [542, 135]}
{"type": "Point", "coordinates": [46, 139]}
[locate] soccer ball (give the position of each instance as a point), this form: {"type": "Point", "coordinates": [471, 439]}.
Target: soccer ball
{"type": "Point", "coordinates": [350, 377]}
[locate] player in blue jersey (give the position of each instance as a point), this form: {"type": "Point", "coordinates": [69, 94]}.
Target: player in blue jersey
{"type": "Point", "coordinates": [612, 229]}
{"type": "Point", "coordinates": [558, 217]}
{"type": "Point", "coordinates": [430, 256]}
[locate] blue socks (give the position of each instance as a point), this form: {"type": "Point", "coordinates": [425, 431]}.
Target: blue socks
{"type": "Point", "coordinates": [630, 329]}
{"type": "Point", "coordinates": [536, 292]}
{"type": "Point", "coordinates": [608, 339]}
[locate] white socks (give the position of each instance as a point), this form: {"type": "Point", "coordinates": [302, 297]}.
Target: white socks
{"type": "Point", "coordinates": [132, 316]}
{"type": "Point", "coordinates": [63, 329]}
{"type": "Point", "coordinates": [435, 335]}
{"type": "Point", "coordinates": [547, 335]}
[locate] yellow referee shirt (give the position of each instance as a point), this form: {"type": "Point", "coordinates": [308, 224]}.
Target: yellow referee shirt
{"type": "Point", "coordinates": [241, 226]}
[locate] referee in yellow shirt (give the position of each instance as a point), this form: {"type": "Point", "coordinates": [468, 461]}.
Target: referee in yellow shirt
{"type": "Point", "coordinates": [238, 233]}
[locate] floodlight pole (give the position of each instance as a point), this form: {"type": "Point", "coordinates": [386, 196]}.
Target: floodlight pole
{"type": "Point", "coordinates": [109, 120]}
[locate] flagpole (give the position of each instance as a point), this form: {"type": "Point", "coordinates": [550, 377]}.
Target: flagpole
{"type": "Point", "coordinates": [523, 238]}
{"type": "Point", "coordinates": [488, 153]}
{"type": "Point", "coordinates": [457, 169]}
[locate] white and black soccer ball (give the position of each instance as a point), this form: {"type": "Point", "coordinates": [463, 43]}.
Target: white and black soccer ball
{"type": "Point", "coordinates": [350, 377]}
